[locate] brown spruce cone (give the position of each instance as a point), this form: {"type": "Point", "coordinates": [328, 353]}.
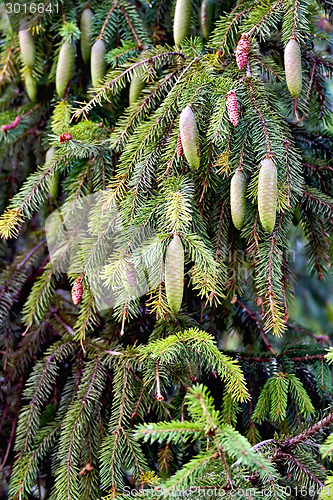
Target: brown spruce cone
{"type": "Point", "coordinates": [179, 146]}
{"type": "Point", "coordinates": [242, 51]}
{"type": "Point", "coordinates": [232, 107]}
{"type": "Point", "coordinates": [77, 291]}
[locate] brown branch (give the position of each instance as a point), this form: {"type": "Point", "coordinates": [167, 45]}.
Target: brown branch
{"type": "Point", "coordinates": [314, 429]}
{"type": "Point", "coordinates": [254, 318]}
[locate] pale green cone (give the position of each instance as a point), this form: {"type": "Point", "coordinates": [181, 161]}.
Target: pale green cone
{"type": "Point", "coordinates": [206, 17]}
{"type": "Point", "coordinates": [65, 67]}
{"type": "Point", "coordinates": [189, 137]}
{"type": "Point", "coordinates": [182, 19]}
{"type": "Point", "coordinates": [293, 67]}
{"type": "Point", "coordinates": [238, 198]}
{"type": "Point", "coordinates": [31, 87]}
{"type": "Point", "coordinates": [267, 194]}
{"type": "Point", "coordinates": [98, 66]}
{"type": "Point", "coordinates": [136, 87]}
{"type": "Point", "coordinates": [174, 274]}
{"type": "Point", "coordinates": [85, 27]}
{"type": "Point", "coordinates": [27, 46]}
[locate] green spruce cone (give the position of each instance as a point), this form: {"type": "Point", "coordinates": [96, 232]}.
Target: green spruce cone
{"type": "Point", "coordinates": [65, 67]}
{"type": "Point", "coordinates": [98, 67]}
{"type": "Point", "coordinates": [54, 179]}
{"type": "Point", "coordinates": [174, 274]}
{"type": "Point", "coordinates": [31, 87]}
{"type": "Point", "coordinates": [206, 17]}
{"type": "Point", "coordinates": [293, 67]}
{"type": "Point", "coordinates": [85, 26]}
{"type": "Point", "coordinates": [27, 46]}
{"type": "Point", "coordinates": [182, 19]}
{"type": "Point", "coordinates": [136, 87]}
{"type": "Point", "coordinates": [238, 198]}
{"type": "Point", "coordinates": [189, 137]}
{"type": "Point", "coordinates": [267, 194]}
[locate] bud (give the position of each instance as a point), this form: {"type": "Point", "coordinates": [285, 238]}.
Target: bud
{"type": "Point", "coordinates": [232, 107]}
{"type": "Point", "coordinates": [293, 67]}
{"type": "Point", "coordinates": [77, 291]}
{"type": "Point", "coordinates": [98, 67]}
{"type": "Point", "coordinates": [238, 198]}
{"type": "Point", "coordinates": [64, 67]}
{"type": "Point", "coordinates": [242, 51]}
{"type": "Point", "coordinates": [267, 194]}
{"type": "Point", "coordinates": [65, 137]}
{"type": "Point", "coordinates": [27, 45]}
{"type": "Point", "coordinates": [85, 27]}
{"type": "Point", "coordinates": [182, 19]}
{"type": "Point", "coordinates": [174, 274]}
{"type": "Point", "coordinates": [189, 137]}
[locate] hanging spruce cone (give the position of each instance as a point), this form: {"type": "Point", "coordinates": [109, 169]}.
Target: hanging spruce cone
{"type": "Point", "coordinates": [130, 281]}
{"type": "Point", "coordinates": [98, 67]}
{"type": "Point", "coordinates": [182, 19]}
{"type": "Point", "coordinates": [85, 27]}
{"type": "Point", "coordinates": [11, 125]}
{"type": "Point", "coordinates": [293, 67]}
{"type": "Point", "coordinates": [232, 107]}
{"type": "Point", "coordinates": [53, 183]}
{"type": "Point", "coordinates": [179, 146]}
{"type": "Point", "coordinates": [31, 87]}
{"type": "Point", "coordinates": [77, 291]}
{"type": "Point", "coordinates": [238, 198]}
{"type": "Point", "coordinates": [189, 137]}
{"type": "Point", "coordinates": [27, 45]}
{"type": "Point", "coordinates": [242, 51]}
{"type": "Point", "coordinates": [136, 87]}
{"type": "Point", "coordinates": [267, 194]}
{"type": "Point", "coordinates": [65, 67]}
{"type": "Point", "coordinates": [206, 17]}
{"type": "Point", "coordinates": [49, 155]}
{"type": "Point", "coordinates": [174, 274]}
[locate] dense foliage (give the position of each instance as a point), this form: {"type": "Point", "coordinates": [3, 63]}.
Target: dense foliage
{"type": "Point", "coordinates": [161, 167]}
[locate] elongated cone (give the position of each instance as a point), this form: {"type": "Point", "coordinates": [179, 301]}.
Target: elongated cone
{"type": "Point", "coordinates": [182, 19]}
{"type": "Point", "coordinates": [130, 281]}
{"type": "Point", "coordinates": [232, 107]}
{"type": "Point", "coordinates": [65, 67]}
{"type": "Point", "coordinates": [293, 67]}
{"type": "Point", "coordinates": [85, 26]}
{"type": "Point", "coordinates": [267, 194]}
{"type": "Point", "coordinates": [189, 137]}
{"type": "Point", "coordinates": [77, 291]}
{"type": "Point", "coordinates": [136, 87]}
{"type": "Point", "coordinates": [97, 61]}
{"type": "Point", "coordinates": [31, 87]}
{"type": "Point", "coordinates": [206, 17]}
{"type": "Point", "coordinates": [54, 179]}
{"type": "Point", "coordinates": [238, 198]}
{"type": "Point", "coordinates": [27, 45]}
{"type": "Point", "coordinates": [242, 51]}
{"type": "Point", "coordinates": [174, 274]}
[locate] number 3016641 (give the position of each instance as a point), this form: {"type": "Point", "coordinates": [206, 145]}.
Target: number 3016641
{"type": "Point", "coordinates": [31, 8]}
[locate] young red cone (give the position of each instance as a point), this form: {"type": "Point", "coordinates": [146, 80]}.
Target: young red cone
{"type": "Point", "coordinates": [232, 107]}
{"type": "Point", "coordinates": [242, 51]}
{"type": "Point", "coordinates": [77, 291]}
{"type": "Point", "coordinates": [179, 146]}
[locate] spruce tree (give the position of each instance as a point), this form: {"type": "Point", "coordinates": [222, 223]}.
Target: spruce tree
{"type": "Point", "coordinates": [159, 163]}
